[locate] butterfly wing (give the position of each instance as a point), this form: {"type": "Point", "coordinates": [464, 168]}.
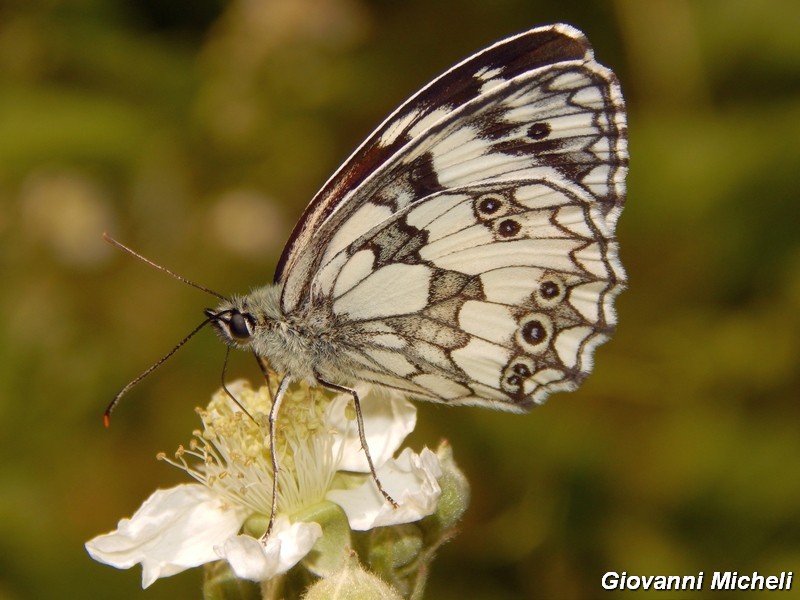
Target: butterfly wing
{"type": "Point", "coordinates": [494, 293]}
{"type": "Point", "coordinates": [534, 113]}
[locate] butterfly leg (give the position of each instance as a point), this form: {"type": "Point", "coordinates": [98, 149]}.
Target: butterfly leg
{"type": "Point", "coordinates": [363, 438]}
{"type": "Point", "coordinates": [265, 372]}
{"type": "Point", "coordinates": [273, 417]}
{"type": "Point", "coordinates": [227, 391]}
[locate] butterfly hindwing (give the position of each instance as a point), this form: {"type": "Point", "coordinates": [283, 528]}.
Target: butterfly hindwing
{"type": "Point", "coordinates": [494, 293]}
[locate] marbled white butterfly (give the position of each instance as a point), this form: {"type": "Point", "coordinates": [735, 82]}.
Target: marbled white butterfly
{"type": "Point", "coordinates": [465, 252]}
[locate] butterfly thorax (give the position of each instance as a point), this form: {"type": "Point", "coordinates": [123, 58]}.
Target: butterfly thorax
{"type": "Point", "coordinates": [301, 345]}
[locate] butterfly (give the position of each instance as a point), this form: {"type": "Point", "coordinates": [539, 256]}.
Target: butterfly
{"type": "Point", "coordinates": [465, 252]}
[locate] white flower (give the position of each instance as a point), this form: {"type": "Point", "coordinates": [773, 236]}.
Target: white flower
{"type": "Point", "coordinates": [411, 480]}
{"type": "Point", "coordinates": [192, 524]}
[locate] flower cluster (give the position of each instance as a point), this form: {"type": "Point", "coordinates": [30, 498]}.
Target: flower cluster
{"type": "Point", "coordinates": [325, 491]}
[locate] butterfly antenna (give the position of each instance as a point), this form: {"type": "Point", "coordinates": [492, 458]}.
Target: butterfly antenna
{"type": "Point", "coordinates": [135, 254]}
{"type": "Point", "coordinates": [113, 404]}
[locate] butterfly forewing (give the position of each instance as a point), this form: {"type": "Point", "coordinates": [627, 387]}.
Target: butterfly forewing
{"type": "Point", "coordinates": [466, 251]}
{"type": "Point", "coordinates": [539, 47]}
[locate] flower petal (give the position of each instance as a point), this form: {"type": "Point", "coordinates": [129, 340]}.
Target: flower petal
{"type": "Point", "coordinates": [257, 561]}
{"type": "Point", "coordinates": [174, 530]}
{"type": "Point", "coordinates": [388, 419]}
{"type": "Point", "coordinates": [411, 480]}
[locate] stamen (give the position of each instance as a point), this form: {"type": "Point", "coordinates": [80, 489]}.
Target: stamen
{"type": "Point", "coordinates": [231, 453]}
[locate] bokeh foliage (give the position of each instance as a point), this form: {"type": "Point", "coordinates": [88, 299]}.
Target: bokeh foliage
{"type": "Point", "coordinates": [196, 131]}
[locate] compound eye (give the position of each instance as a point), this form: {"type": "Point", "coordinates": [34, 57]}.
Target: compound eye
{"type": "Point", "coordinates": [239, 326]}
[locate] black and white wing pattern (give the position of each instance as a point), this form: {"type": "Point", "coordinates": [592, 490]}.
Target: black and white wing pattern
{"type": "Point", "coordinates": [465, 253]}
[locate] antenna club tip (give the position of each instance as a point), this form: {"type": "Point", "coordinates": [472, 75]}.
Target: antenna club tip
{"type": "Point", "coordinates": [106, 421]}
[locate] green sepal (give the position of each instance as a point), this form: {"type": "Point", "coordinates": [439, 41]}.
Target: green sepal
{"type": "Point", "coordinates": [453, 502]}
{"type": "Point", "coordinates": [255, 525]}
{"type": "Point", "coordinates": [331, 550]}
{"type": "Point", "coordinates": [221, 583]}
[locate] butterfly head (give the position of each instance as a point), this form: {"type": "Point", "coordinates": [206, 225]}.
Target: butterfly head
{"type": "Point", "coordinates": [235, 326]}
{"type": "Point", "coordinates": [241, 320]}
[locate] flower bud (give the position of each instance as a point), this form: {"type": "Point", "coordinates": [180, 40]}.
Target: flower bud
{"type": "Point", "coordinates": [351, 582]}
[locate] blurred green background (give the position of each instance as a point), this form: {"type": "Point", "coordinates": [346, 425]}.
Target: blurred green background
{"type": "Point", "coordinates": [197, 130]}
